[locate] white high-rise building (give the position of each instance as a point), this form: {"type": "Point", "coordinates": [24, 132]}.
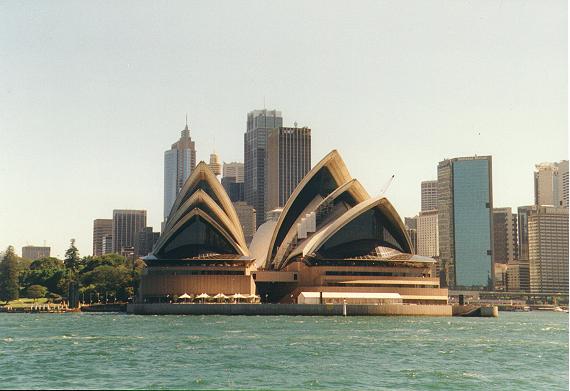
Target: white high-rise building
{"type": "Point", "coordinates": [548, 249]}
{"type": "Point", "coordinates": [551, 184]}
{"type": "Point", "coordinates": [234, 170]}
{"type": "Point", "coordinates": [427, 234]}
{"type": "Point", "coordinates": [179, 161]}
{"type": "Point", "coordinates": [429, 195]}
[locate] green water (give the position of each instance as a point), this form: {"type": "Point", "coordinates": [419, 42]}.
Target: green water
{"type": "Point", "coordinates": [517, 351]}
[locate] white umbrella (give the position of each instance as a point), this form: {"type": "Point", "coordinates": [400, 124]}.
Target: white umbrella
{"type": "Point", "coordinates": [185, 296]}
{"type": "Point", "coordinates": [203, 296]}
{"type": "Point", "coordinates": [220, 296]}
{"type": "Point", "coordinates": [238, 296]}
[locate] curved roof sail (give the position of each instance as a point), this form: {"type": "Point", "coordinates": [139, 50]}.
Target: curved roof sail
{"type": "Point", "coordinates": [323, 179]}
{"type": "Point", "coordinates": [372, 223]}
{"type": "Point", "coordinates": [332, 206]}
{"type": "Point", "coordinates": [203, 178]}
{"type": "Point", "coordinates": [195, 234]}
{"type": "Point", "coordinates": [202, 221]}
{"type": "Point", "coordinates": [201, 199]}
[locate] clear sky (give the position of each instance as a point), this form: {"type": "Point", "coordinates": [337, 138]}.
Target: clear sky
{"type": "Point", "coordinates": [92, 93]}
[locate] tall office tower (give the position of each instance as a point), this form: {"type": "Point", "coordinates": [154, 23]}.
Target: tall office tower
{"type": "Point", "coordinates": [145, 241]}
{"type": "Point", "coordinates": [259, 122]}
{"type": "Point", "coordinates": [548, 249]}
{"type": "Point", "coordinates": [551, 184]}
{"type": "Point", "coordinates": [179, 161]}
{"type": "Point", "coordinates": [505, 243]}
{"type": "Point", "coordinates": [563, 184]}
{"type": "Point", "coordinates": [233, 170]}
{"type": "Point", "coordinates": [288, 161]}
{"type": "Point", "coordinates": [518, 274]}
{"type": "Point", "coordinates": [411, 224]}
{"type": "Point", "coordinates": [35, 252]}
{"type": "Point", "coordinates": [232, 181]}
{"type": "Point", "coordinates": [518, 279]}
{"type": "Point", "coordinates": [523, 213]}
{"type": "Point", "coordinates": [246, 216]}
{"type": "Point", "coordinates": [215, 164]}
{"type": "Point", "coordinates": [427, 232]}
{"type": "Point", "coordinates": [465, 204]}
{"type": "Point", "coordinates": [101, 228]}
{"type": "Point", "coordinates": [126, 227]}
{"type": "Point", "coordinates": [429, 195]}
{"type": "Point", "coordinates": [107, 244]}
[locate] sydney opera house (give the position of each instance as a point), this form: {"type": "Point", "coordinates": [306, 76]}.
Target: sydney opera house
{"type": "Point", "coordinates": [331, 243]}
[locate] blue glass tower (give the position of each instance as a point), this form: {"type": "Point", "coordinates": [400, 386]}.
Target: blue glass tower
{"type": "Point", "coordinates": [465, 204]}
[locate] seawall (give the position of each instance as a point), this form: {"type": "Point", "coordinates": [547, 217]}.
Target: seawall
{"type": "Point", "coordinates": [290, 309]}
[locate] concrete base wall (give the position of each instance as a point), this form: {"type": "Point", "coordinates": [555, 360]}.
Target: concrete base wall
{"type": "Point", "coordinates": [289, 309]}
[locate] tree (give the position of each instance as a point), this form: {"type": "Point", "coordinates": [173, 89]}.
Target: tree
{"type": "Point", "coordinates": [72, 260]}
{"type": "Point", "coordinates": [109, 279]}
{"type": "Point", "coordinates": [46, 263]}
{"type": "Point", "coordinates": [48, 272]}
{"type": "Point", "coordinates": [36, 291]}
{"type": "Point", "coordinates": [9, 273]}
{"type": "Point", "coordinates": [91, 263]}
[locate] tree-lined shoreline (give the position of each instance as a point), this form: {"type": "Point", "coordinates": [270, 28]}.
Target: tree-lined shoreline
{"type": "Point", "coordinates": [106, 278]}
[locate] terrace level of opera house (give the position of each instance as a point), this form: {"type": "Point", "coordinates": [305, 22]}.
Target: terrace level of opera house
{"type": "Point", "coordinates": [331, 243]}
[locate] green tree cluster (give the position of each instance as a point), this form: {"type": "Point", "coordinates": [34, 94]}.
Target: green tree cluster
{"type": "Point", "coordinates": [111, 275]}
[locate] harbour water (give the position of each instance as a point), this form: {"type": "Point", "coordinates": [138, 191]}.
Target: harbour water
{"type": "Point", "coordinates": [517, 351]}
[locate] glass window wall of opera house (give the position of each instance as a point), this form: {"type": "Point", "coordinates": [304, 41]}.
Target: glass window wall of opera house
{"type": "Point", "coordinates": [331, 243]}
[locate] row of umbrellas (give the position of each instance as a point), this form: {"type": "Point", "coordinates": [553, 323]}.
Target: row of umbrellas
{"type": "Point", "coordinates": [218, 296]}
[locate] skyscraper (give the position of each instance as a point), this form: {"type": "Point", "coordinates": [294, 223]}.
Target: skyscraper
{"type": "Point", "coordinates": [505, 243]}
{"type": "Point", "coordinates": [126, 227]}
{"type": "Point", "coordinates": [215, 164]}
{"type": "Point", "coordinates": [465, 224]}
{"type": "Point", "coordinates": [551, 184]}
{"type": "Point", "coordinates": [411, 224]}
{"type": "Point", "coordinates": [427, 232]}
{"type": "Point", "coordinates": [548, 249]}
{"type": "Point", "coordinates": [107, 244]}
{"type": "Point", "coordinates": [145, 241]}
{"type": "Point", "coordinates": [429, 195]}
{"type": "Point", "coordinates": [234, 170]}
{"type": "Point", "coordinates": [523, 213]}
{"type": "Point", "coordinates": [35, 252]}
{"type": "Point", "coordinates": [179, 161]}
{"type": "Point", "coordinates": [563, 184]}
{"type": "Point", "coordinates": [232, 181]}
{"type": "Point", "coordinates": [288, 161]}
{"type": "Point", "coordinates": [259, 122]}
{"type": "Point", "coordinates": [246, 216]}
{"type": "Point", "coordinates": [101, 229]}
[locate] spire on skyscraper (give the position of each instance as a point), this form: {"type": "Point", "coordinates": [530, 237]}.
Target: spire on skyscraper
{"type": "Point", "coordinates": [186, 131]}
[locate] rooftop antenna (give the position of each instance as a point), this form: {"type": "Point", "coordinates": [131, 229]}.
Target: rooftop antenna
{"type": "Point", "coordinates": [264, 108]}
{"type": "Point", "coordinates": [387, 185]}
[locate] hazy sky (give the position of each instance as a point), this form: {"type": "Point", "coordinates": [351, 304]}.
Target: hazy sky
{"type": "Point", "coordinates": [92, 93]}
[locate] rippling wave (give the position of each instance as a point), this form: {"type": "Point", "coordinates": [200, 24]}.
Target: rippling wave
{"type": "Point", "coordinates": [517, 351]}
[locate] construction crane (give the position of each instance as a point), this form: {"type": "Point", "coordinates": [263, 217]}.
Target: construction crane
{"type": "Point", "coordinates": [387, 185]}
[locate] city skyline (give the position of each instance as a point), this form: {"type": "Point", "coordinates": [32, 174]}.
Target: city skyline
{"type": "Point", "coordinates": [455, 101]}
